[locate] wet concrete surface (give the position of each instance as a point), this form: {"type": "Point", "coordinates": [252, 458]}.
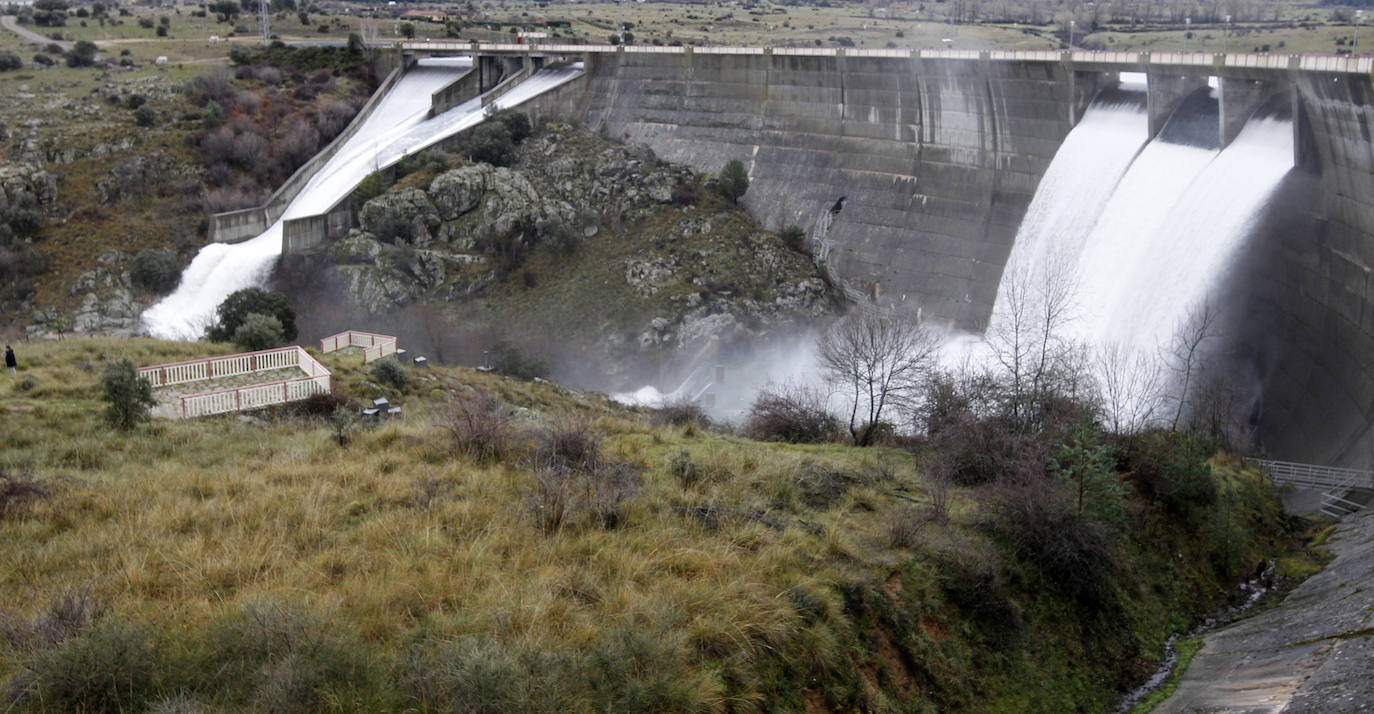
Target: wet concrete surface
{"type": "Point", "coordinates": [1312, 653]}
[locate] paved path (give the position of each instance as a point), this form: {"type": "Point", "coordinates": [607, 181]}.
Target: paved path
{"type": "Point", "coordinates": [1313, 653]}
{"type": "Point", "coordinates": [10, 23]}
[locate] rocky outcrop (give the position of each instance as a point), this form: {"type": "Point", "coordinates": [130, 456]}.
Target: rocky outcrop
{"type": "Point", "coordinates": [136, 176]}
{"type": "Point", "coordinates": [25, 185]}
{"type": "Point", "coordinates": [585, 246]}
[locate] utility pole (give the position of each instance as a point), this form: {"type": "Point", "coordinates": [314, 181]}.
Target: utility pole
{"type": "Point", "coordinates": [262, 15]}
{"type": "Point", "coordinates": [1226, 36]}
{"type": "Point", "coordinates": [1072, 24]}
{"type": "Point", "coordinates": [1187, 30]}
{"type": "Point", "coordinates": [1355, 46]}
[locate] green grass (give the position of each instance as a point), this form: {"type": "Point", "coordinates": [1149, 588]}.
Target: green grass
{"type": "Point", "coordinates": [771, 582]}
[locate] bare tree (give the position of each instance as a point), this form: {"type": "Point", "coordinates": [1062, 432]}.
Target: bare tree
{"type": "Point", "coordinates": [1028, 341]}
{"type": "Point", "coordinates": [1130, 385]}
{"type": "Point", "coordinates": [877, 362]}
{"type": "Point", "coordinates": [1189, 351]}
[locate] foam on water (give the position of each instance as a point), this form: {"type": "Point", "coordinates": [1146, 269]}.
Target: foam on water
{"type": "Point", "coordinates": [397, 126]}
{"type": "Point", "coordinates": [1196, 242]}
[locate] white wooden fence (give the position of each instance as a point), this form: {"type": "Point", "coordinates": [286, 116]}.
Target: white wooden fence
{"type": "Point", "coordinates": [316, 380]}
{"type": "Point", "coordinates": [166, 375]}
{"type": "Point", "coordinates": [374, 346]}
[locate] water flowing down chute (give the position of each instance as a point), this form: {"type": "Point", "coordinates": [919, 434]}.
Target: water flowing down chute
{"type": "Point", "coordinates": [398, 126]}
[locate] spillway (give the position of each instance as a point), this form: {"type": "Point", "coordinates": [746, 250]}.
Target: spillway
{"type": "Point", "coordinates": [1136, 238]}
{"type": "Point", "coordinates": [397, 127]}
{"type": "Point", "coordinates": [1073, 194]}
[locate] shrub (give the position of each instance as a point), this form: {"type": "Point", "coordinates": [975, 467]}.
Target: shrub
{"type": "Point", "coordinates": [634, 671]}
{"type": "Point", "coordinates": [972, 584]}
{"type": "Point", "coordinates": [128, 396]}
{"type": "Point", "coordinates": [17, 492]}
{"type": "Point", "coordinates": [241, 303]}
{"type": "Point", "coordinates": [1171, 469]}
{"type": "Point", "coordinates": [156, 271]}
{"type": "Point", "coordinates": [43, 59]}
{"type": "Point", "coordinates": [69, 615]}
{"type": "Point", "coordinates": [794, 237]}
{"type": "Point", "coordinates": [113, 667]}
{"type": "Point", "coordinates": [517, 124]}
{"type": "Point", "coordinates": [372, 186]}
{"type": "Point", "coordinates": [259, 332]}
{"type": "Point", "coordinates": [491, 143]}
{"type": "Point", "coordinates": [973, 451]}
{"type": "Point", "coordinates": [684, 194]}
{"type": "Point", "coordinates": [733, 181]}
{"type": "Point", "coordinates": [559, 237]}
{"type": "Point", "coordinates": [23, 221]}
{"type": "Point", "coordinates": [904, 528]}
{"type": "Point", "coordinates": [687, 471]}
{"type": "Point", "coordinates": [390, 372]}
{"type": "Point", "coordinates": [145, 116]}
{"type": "Point", "coordinates": [82, 54]}
{"type": "Point", "coordinates": [792, 414]}
{"type": "Point", "coordinates": [682, 412]}
{"type": "Point", "coordinates": [509, 360]}
{"type": "Point", "coordinates": [484, 677]}
{"type": "Point", "coordinates": [1066, 546]}
{"type": "Point", "coordinates": [283, 659]}
{"type": "Point", "coordinates": [479, 426]}
{"type": "Point", "coordinates": [570, 443]}
{"type": "Point", "coordinates": [10, 61]}
{"type": "Point", "coordinates": [393, 227]}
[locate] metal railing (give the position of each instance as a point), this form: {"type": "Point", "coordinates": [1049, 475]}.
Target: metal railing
{"type": "Point", "coordinates": [1313, 475]}
{"type": "Point", "coordinates": [374, 346]}
{"type": "Point", "coordinates": [1344, 64]}
{"type": "Point", "coordinates": [1336, 483]}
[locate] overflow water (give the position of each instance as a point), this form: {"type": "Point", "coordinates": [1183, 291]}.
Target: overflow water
{"type": "Point", "coordinates": [397, 126]}
{"type": "Point", "coordinates": [1135, 240]}
{"type": "Point", "coordinates": [1073, 193]}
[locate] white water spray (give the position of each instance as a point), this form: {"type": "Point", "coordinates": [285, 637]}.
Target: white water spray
{"type": "Point", "coordinates": [397, 127]}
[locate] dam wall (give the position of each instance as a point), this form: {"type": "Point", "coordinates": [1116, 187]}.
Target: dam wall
{"type": "Point", "coordinates": [1308, 294]}
{"type": "Point", "coordinates": [938, 158]}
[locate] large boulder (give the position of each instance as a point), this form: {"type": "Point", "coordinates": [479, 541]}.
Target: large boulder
{"type": "Point", "coordinates": [377, 289]}
{"type": "Point", "coordinates": [408, 205]}
{"type": "Point", "coordinates": [482, 201]}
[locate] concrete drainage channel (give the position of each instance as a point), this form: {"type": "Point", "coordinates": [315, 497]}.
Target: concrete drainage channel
{"type": "Point", "coordinates": [1310, 653]}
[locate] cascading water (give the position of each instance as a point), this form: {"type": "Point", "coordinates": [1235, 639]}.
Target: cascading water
{"type": "Point", "coordinates": [1199, 239]}
{"type": "Point", "coordinates": [1075, 190]}
{"type": "Point", "coordinates": [1128, 235]}
{"type": "Point", "coordinates": [1159, 238]}
{"type": "Point", "coordinates": [396, 127]}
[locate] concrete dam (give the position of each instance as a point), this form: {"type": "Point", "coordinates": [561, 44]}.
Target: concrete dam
{"type": "Point", "coordinates": [940, 154]}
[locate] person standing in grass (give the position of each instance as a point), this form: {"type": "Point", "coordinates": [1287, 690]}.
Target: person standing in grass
{"type": "Point", "coordinates": [11, 362]}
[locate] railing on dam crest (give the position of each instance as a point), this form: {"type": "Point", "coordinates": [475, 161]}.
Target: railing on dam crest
{"type": "Point", "coordinates": [1129, 61]}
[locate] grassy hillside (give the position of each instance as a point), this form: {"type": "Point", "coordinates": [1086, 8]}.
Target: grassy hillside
{"type": "Point", "coordinates": [591, 560]}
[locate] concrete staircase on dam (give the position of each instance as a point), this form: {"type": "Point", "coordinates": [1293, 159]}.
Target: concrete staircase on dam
{"type": "Point", "coordinates": [1334, 492]}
